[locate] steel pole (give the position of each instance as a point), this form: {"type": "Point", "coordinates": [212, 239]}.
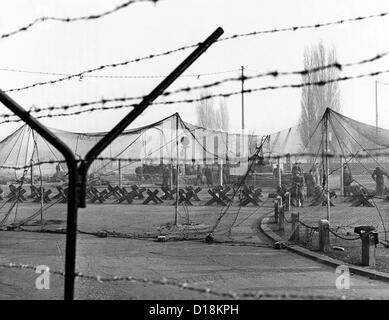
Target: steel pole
{"type": "Point", "coordinates": [71, 229]}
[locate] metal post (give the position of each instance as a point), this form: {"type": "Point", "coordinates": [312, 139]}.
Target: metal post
{"type": "Point", "coordinates": [327, 169]}
{"type": "Point", "coordinates": [120, 172]}
{"type": "Point", "coordinates": [279, 172]}
{"type": "Point", "coordinates": [177, 178]}
{"type": "Point", "coordinates": [171, 154]}
{"type": "Point", "coordinates": [376, 107]}
{"type": "Point", "coordinates": [71, 230]}
{"type": "Point", "coordinates": [221, 171]}
{"type": "Point", "coordinates": [32, 172]}
{"type": "Point", "coordinates": [341, 176]}
{"type": "Point", "coordinates": [242, 91]}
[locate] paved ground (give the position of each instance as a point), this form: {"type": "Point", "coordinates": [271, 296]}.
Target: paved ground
{"type": "Point", "coordinates": [222, 267]}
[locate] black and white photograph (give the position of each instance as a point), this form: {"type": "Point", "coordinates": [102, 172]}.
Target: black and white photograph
{"type": "Point", "coordinates": [198, 151]}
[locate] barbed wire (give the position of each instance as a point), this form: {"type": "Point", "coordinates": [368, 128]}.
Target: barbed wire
{"type": "Point", "coordinates": [158, 158]}
{"type": "Point", "coordinates": [198, 75]}
{"type": "Point", "coordinates": [101, 67]}
{"type": "Point", "coordinates": [275, 74]}
{"type": "Point", "coordinates": [32, 165]}
{"type": "Point", "coordinates": [183, 285]}
{"type": "Point", "coordinates": [302, 27]}
{"type": "Point", "coordinates": [73, 19]}
{"type": "Point", "coordinates": [235, 36]}
{"type": "Point", "coordinates": [103, 101]}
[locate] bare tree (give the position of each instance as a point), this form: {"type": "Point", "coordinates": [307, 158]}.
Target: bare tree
{"type": "Point", "coordinates": [223, 116]}
{"type": "Point", "coordinates": [210, 117]}
{"type": "Point", "coordinates": [315, 99]}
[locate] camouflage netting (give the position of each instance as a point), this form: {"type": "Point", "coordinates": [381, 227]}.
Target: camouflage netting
{"type": "Point", "coordinates": [225, 181]}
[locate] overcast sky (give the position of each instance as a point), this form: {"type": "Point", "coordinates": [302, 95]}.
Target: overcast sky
{"type": "Point", "coordinates": [144, 28]}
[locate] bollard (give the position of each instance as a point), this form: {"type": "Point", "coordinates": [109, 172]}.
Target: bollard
{"type": "Point", "coordinates": [287, 201]}
{"type": "Point", "coordinates": [295, 227]}
{"type": "Point", "coordinates": [281, 219]}
{"type": "Point", "coordinates": [324, 235]}
{"type": "Point", "coordinates": [276, 211]}
{"type": "Point", "coordinates": [369, 242]}
{"type": "Point", "coordinates": [306, 235]}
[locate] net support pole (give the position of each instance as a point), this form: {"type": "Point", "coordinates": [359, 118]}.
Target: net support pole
{"type": "Point", "coordinates": [376, 108]}
{"type": "Point", "coordinates": [324, 235]}
{"type": "Point", "coordinates": [120, 172]}
{"type": "Point", "coordinates": [177, 177]}
{"type": "Point", "coordinates": [171, 172]}
{"type": "Point", "coordinates": [242, 96]}
{"type": "Point", "coordinates": [221, 172]}
{"type": "Point", "coordinates": [31, 173]}
{"type": "Point", "coordinates": [341, 176]}
{"type": "Point", "coordinates": [42, 193]}
{"type": "Point", "coordinates": [328, 190]}
{"type": "Point", "coordinates": [184, 166]}
{"type": "Point", "coordinates": [327, 173]}
{"type": "Point", "coordinates": [279, 172]}
{"type": "Point", "coordinates": [73, 193]}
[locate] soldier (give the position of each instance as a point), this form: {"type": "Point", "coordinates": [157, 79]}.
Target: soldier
{"type": "Point", "coordinates": [347, 179]}
{"type": "Point", "coordinates": [295, 169]}
{"type": "Point", "coordinates": [378, 177]}
{"type": "Point", "coordinates": [298, 183]}
{"type": "Point", "coordinates": [310, 182]}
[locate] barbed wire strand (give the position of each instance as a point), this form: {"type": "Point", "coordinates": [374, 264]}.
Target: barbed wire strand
{"type": "Point", "coordinates": [103, 101]}
{"type": "Point", "coordinates": [183, 285]}
{"type": "Point", "coordinates": [150, 76]}
{"type": "Point", "coordinates": [73, 19]}
{"type": "Point", "coordinates": [235, 36]}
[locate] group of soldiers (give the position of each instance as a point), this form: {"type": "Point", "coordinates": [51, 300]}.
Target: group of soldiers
{"type": "Point", "coordinates": [377, 175]}
{"type": "Point", "coordinates": [315, 176]}
{"type": "Point", "coordinates": [204, 175]}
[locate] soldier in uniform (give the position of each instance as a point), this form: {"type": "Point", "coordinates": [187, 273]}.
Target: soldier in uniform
{"type": "Point", "coordinates": [378, 176]}
{"type": "Point", "coordinates": [310, 182]}
{"type": "Point", "coordinates": [347, 179]}
{"type": "Point", "coordinates": [298, 183]}
{"type": "Point", "coordinates": [199, 175]}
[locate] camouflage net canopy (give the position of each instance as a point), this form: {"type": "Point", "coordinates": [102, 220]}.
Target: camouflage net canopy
{"type": "Point", "coordinates": [178, 180]}
{"type": "Point", "coordinates": [335, 169]}
{"type": "Point", "coordinates": [139, 168]}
